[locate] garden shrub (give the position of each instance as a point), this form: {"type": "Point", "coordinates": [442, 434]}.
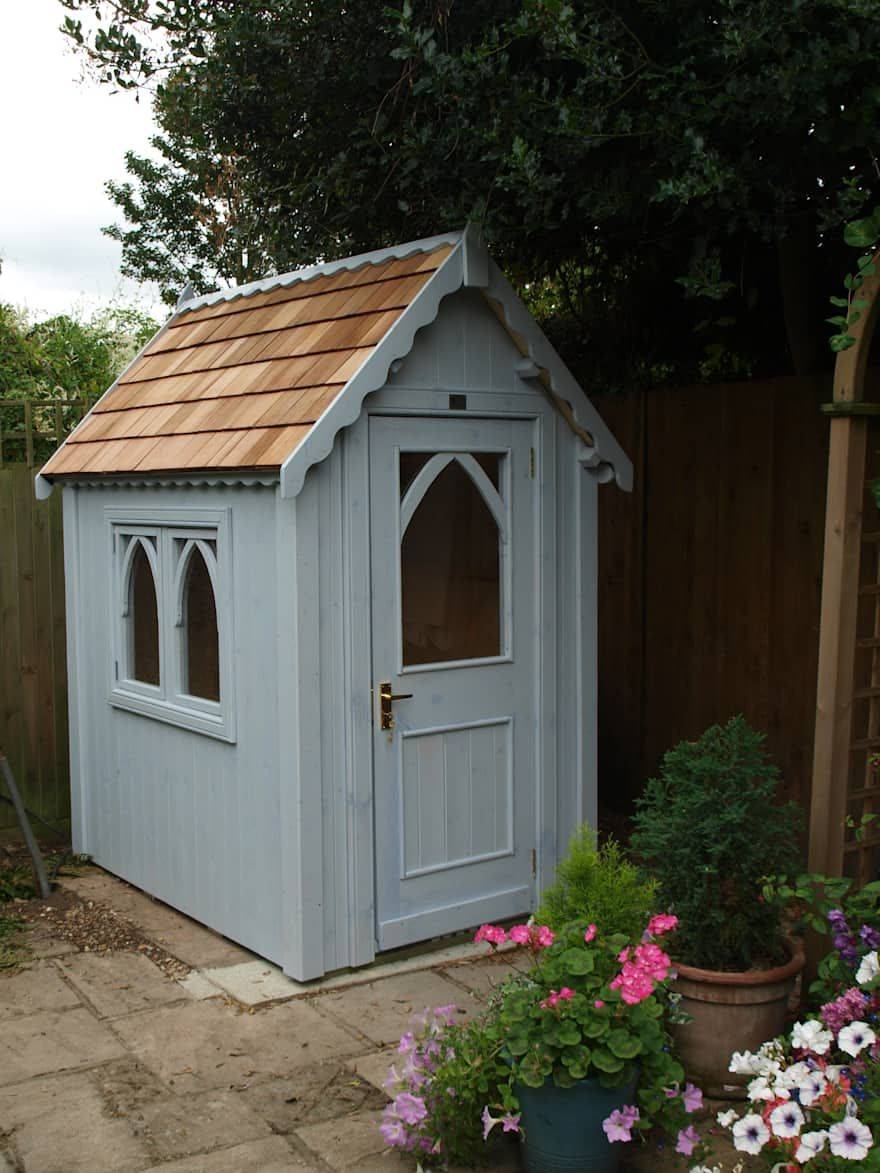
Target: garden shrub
{"type": "Point", "coordinates": [598, 884]}
{"type": "Point", "coordinates": [711, 831]}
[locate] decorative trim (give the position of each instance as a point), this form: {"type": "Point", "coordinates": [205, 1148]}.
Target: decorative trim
{"type": "Point", "coordinates": [210, 480]}
{"type": "Point", "coordinates": [397, 252]}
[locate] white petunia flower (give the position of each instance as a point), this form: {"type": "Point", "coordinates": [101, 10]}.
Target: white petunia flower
{"type": "Point", "coordinates": [743, 1063]}
{"type": "Point", "coordinates": [750, 1134]}
{"type": "Point", "coordinates": [833, 1073]}
{"type": "Point", "coordinates": [811, 1144]}
{"type": "Point", "coordinates": [786, 1120]}
{"type": "Point", "coordinates": [705, 1169]}
{"type": "Point", "coordinates": [869, 968]}
{"type": "Point", "coordinates": [760, 1088]}
{"type": "Point", "coordinates": [811, 1036]}
{"type": "Point", "coordinates": [794, 1075]}
{"type": "Point", "coordinates": [725, 1119]}
{"type": "Point", "coordinates": [812, 1088]}
{"type": "Point", "coordinates": [850, 1139]}
{"type": "Point", "coordinates": [855, 1037]}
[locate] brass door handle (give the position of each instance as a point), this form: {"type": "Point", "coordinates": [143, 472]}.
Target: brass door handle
{"type": "Point", "coordinates": [386, 700]}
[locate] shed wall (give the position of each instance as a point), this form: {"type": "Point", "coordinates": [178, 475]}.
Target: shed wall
{"type": "Point", "coordinates": [191, 819]}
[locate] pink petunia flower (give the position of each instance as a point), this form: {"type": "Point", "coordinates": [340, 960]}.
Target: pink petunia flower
{"type": "Point", "coordinates": [393, 1132]}
{"type": "Point", "coordinates": [618, 1126]}
{"type": "Point", "coordinates": [590, 933]}
{"type": "Point", "coordinates": [688, 1139]}
{"type": "Point", "coordinates": [692, 1098]}
{"type": "Point", "coordinates": [411, 1109]}
{"type": "Point", "coordinates": [510, 1123]}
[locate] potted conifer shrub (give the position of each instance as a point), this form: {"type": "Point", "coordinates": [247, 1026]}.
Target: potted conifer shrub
{"type": "Point", "coordinates": [712, 830]}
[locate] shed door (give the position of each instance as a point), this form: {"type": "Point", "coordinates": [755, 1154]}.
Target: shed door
{"type": "Point", "coordinates": [455, 615]}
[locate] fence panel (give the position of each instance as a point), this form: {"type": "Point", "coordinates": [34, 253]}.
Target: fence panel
{"type": "Point", "coordinates": [710, 574]}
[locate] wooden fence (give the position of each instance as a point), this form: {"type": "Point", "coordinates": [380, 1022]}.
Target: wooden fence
{"type": "Point", "coordinates": [710, 574]}
{"type": "Point", "coordinates": [33, 669]}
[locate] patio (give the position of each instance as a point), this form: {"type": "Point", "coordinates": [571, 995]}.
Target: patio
{"type": "Point", "coordinates": [176, 1050]}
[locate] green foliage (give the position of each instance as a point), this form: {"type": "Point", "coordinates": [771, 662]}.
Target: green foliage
{"type": "Point", "coordinates": [863, 234]}
{"type": "Point", "coordinates": [677, 156]}
{"type": "Point", "coordinates": [711, 831]}
{"type": "Point", "coordinates": [598, 884]}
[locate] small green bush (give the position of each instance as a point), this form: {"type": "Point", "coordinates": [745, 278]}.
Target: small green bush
{"type": "Point", "coordinates": [598, 884]}
{"type": "Point", "coordinates": [711, 831]}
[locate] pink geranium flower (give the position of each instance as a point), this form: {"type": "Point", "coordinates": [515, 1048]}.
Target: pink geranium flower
{"type": "Point", "coordinates": [618, 1126]}
{"type": "Point", "coordinates": [662, 923]}
{"type": "Point", "coordinates": [544, 936]}
{"type": "Point", "coordinates": [590, 933]}
{"type": "Point", "coordinates": [520, 934]}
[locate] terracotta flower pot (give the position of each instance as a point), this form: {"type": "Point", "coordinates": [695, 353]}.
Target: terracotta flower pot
{"type": "Point", "coordinates": [730, 1012]}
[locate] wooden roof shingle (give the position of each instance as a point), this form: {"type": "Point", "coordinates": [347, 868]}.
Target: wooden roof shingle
{"type": "Point", "coordinates": [239, 382]}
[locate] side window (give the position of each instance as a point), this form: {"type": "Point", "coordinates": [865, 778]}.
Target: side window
{"type": "Point", "coordinates": [200, 642]}
{"type": "Point", "coordinates": [172, 651]}
{"type": "Point", "coordinates": [143, 615]}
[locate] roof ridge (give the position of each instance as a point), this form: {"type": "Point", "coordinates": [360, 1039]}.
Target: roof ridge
{"type": "Point", "coordinates": [397, 252]}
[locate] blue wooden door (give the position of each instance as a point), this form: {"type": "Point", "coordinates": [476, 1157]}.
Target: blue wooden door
{"type": "Point", "coordinates": [455, 593]}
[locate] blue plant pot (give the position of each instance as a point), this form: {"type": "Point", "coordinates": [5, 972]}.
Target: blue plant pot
{"type": "Point", "coordinates": [563, 1126]}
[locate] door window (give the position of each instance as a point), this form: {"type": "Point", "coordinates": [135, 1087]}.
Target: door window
{"type": "Point", "coordinates": [453, 519]}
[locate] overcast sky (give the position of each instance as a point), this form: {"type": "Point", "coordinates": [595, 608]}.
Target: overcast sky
{"type": "Point", "coordinates": [61, 139]}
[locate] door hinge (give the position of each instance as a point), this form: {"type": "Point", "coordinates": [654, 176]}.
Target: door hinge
{"type": "Point", "coordinates": [116, 669]}
{"type": "Point", "coordinates": [532, 462]}
{"type": "Point", "coordinates": [534, 862]}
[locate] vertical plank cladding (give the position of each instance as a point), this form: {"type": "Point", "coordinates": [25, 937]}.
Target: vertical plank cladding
{"type": "Point", "coordinates": [188, 818]}
{"type": "Point", "coordinates": [709, 582]}
{"type": "Point", "coordinates": [33, 699]}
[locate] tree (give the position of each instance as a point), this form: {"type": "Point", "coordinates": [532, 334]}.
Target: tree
{"type": "Point", "coordinates": [667, 182]}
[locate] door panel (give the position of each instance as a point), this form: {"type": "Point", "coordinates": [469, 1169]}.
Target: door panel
{"type": "Point", "coordinates": [454, 548]}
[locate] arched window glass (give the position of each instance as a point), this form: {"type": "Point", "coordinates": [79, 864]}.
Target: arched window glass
{"type": "Point", "coordinates": [201, 639]}
{"type": "Point", "coordinates": [143, 620]}
{"type": "Point", "coordinates": [451, 571]}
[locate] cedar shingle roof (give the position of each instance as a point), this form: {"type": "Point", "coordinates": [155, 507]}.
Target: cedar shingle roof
{"type": "Point", "coordinates": [239, 382]}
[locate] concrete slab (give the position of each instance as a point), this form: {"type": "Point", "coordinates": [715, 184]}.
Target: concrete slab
{"type": "Point", "coordinates": [49, 1042]}
{"type": "Point", "coordinates": [59, 1125]}
{"type": "Point", "coordinates": [310, 1095]}
{"type": "Point", "coordinates": [197, 986]}
{"type": "Point", "coordinates": [200, 1045]}
{"type": "Point", "coordinates": [43, 945]}
{"type": "Point", "coordinates": [119, 983]}
{"type": "Point", "coordinates": [37, 988]}
{"type": "Point", "coordinates": [267, 1156]}
{"type": "Point", "coordinates": [354, 1143]}
{"type": "Point", "coordinates": [382, 1010]}
{"type": "Point", "coordinates": [8, 1163]}
{"type": "Point", "coordinates": [181, 1126]}
{"type": "Point", "coordinates": [374, 1066]}
{"type": "Point", "coordinates": [253, 983]}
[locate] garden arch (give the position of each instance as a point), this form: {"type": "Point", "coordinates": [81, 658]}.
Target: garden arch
{"type": "Point", "coordinates": [848, 688]}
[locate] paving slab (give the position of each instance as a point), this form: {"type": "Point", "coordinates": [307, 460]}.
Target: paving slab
{"type": "Point", "coordinates": [119, 983]}
{"type": "Point", "coordinates": [196, 985]}
{"type": "Point", "coordinates": [8, 1163]}
{"type": "Point", "coordinates": [181, 1126]}
{"type": "Point", "coordinates": [354, 1142]}
{"type": "Point", "coordinates": [374, 1066]}
{"type": "Point", "coordinates": [43, 945]}
{"type": "Point", "coordinates": [200, 1045]}
{"type": "Point", "coordinates": [482, 977]}
{"type": "Point", "coordinates": [310, 1095]}
{"type": "Point", "coordinates": [59, 1125]}
{"type": "Point", "coordinates": [253, 983]}
{"type": "Point", "coordinates": [51, 1042]}
{"type": "Point", "coordinates": [382, 1010]}
{"type": "Point", "coordinates": [200, 947]}
{"type": "Point", "coordinates": [39, 987]}
{"type": "Point", "coordinates": [259, 1156]}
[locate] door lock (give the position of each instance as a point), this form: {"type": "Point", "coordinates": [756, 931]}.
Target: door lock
{"type": "Point", "coordinates": [386, 700]}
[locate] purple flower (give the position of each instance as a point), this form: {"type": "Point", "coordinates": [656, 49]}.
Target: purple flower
{"type": "Point", "coordinates": [870, 936]}
{"type": "Point", "coordinates": [849, 1007]}
{"type": "Point", "coordinates": [411, 1109]}
{"type": "Point", "coordinates": [394, 1131]}
{"type": "Point", "coordinates": [688, 1139]}
{"type": "Point", "coordinates": [845, 941]}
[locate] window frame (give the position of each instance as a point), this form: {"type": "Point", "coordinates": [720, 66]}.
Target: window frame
{"type": "Point", "coordinates": [175, 531]}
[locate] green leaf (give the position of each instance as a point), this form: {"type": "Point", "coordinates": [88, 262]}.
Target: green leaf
{"type": "Point", "coordinates": [604, 1061]}
{"type": "Point", "coordinates": [624, 1045]}
{"type": "Point", "coordinates": [577, 961]}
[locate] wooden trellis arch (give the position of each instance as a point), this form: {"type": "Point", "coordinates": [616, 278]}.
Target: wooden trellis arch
{"type": "Point", "coordinates": [848, 691]}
